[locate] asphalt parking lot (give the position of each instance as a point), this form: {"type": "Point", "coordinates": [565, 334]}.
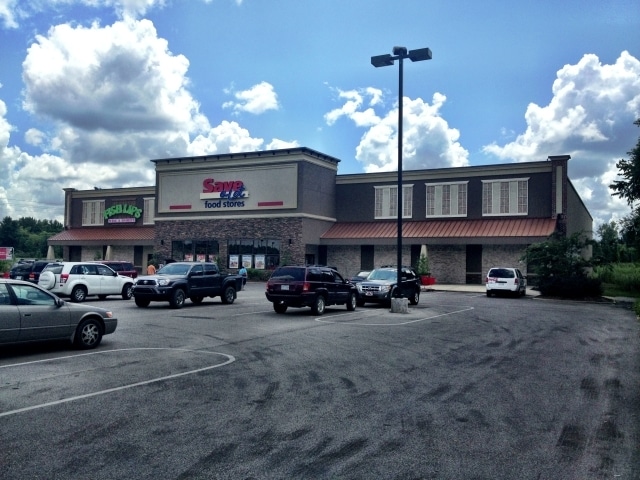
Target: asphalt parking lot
{"type": "Point", "coordinates": [461, 387]}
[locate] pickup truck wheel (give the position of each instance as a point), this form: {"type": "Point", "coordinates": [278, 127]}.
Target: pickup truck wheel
{"type": "Point", "coordinates": [280, 307]}
{"type": "Point", "coordinates": [352, 302]}
{"type": "Point", "coordinates": [78, 294]}
{"type": "Point", "coordinates": [319, 305]}
{"type": "Point", "coordinates": [196, 299]}
{"type": "Point", "coordinates": [177, 299]}
{"type": "Point", "coordinates": [415, 298]}
{"type": "Point", "coordinates": [127, 291]}
{"type": "Point", "coordinates": [229, 295]}
{"type": "Point", "coordinates": [142, 303]}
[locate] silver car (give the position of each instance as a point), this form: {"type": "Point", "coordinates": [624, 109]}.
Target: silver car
{"type": "Point", "coordinates": [29, 313]}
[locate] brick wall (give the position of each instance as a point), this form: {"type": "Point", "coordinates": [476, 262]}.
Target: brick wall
{"type": "Point", "coordinates": [231, 229]}
{"type": "Point", "coordinates": [503, 256]}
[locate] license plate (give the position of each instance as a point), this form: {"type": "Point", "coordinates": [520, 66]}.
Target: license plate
{"type": "Point", "coordinates": [284, 287]}
{"type": "Point", "coordinates": [369, 294]}
{"type": "Point", "coordinates": [18, 277]}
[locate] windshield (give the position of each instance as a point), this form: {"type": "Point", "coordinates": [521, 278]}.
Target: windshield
{"type": "Point", "coordinates": [383, 275]}
{"type": "Point", "coordinates": [174, 269]}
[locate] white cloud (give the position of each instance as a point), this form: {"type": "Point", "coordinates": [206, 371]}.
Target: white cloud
{"type": "Point", "coordinates": [228, 137]}
{"type": "Point", "coordinates": [115, 78]}
{"type": "Point", "coordinates": [428, 141]}
{"type": "Point", "coordinates": [8, 13]}
{"type": "Point", "coordinates": [590, 117]}
{"type": "Point", "coordinates": [352, 107]}
{"type": "Point", "coordinates": [277, 144]}
{"type": "Point", "coordinates": [257, 99]}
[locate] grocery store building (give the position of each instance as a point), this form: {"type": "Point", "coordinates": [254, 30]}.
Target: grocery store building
{"type": "Point", "coordinates": [262, 209]}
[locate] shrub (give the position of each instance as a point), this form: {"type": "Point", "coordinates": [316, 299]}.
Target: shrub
{"type": "Point", "coordinates": [258, 275]}
{"type": "Point", "coordinates": [571, 287]}
{"type": "Point", "coordinates": [625, 276]}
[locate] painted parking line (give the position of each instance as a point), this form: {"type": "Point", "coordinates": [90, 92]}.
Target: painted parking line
{"type": "Point", "coordinates": [352, 318]}
{"type": "Point", "coordinates": [229, 359]}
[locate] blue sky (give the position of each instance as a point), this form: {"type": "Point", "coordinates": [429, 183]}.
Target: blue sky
{"type": "Point", "coordinates": [91, 90]}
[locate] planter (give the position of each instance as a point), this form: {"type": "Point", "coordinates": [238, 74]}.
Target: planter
{"type": "Point", "coordinates": [427, 280]}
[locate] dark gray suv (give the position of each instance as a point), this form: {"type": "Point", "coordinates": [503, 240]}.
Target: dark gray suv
{"type": "Point", "coordinates": [309, 286]}
{"type": "Point", "coordinates": [381, 285]}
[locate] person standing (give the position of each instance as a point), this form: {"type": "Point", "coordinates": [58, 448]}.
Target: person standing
{"type": "Point", "coordinates": [151, 269]}
{"type": "Point", "coordinates": [243, 273]}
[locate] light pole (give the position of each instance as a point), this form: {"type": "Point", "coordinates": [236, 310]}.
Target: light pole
{"type": "Point", "coordinates": [400, 53]}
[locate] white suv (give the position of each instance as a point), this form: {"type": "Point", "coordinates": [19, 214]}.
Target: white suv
{"type": "Point", "coordinates": [77, 280]}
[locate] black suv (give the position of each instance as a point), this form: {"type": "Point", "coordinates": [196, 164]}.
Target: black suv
{"type": "Point", "coordinates": [380, 286]}
{"type": "Point", "coordinates": [29, 270]}
{"type": "Point", "coordinates": [309, 286]}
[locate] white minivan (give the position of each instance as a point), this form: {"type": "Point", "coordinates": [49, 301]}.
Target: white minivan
{"type": "Point", "coordinates": [506, 280]}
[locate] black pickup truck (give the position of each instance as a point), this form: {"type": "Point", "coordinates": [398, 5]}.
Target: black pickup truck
{"type": "Point", "coordinates": [175, 282]}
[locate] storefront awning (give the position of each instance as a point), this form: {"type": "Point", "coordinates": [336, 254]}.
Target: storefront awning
{"type": "Point", "coordinates": [105, 236]}
{"type": "Point", "coordinates": [522, 229]}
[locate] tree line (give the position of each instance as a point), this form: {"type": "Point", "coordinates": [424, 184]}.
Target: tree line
{"type": "Point", "coordinates": [28, 236]}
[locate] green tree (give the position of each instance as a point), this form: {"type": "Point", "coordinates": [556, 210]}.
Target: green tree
{"type": "Point", "coordinates": [607, 249]}
{"type": "Point", "coordinates": [561, 268]}
{"type": "Point", "coordinates": [629, 187]}
{"type": "Point", "coordinates": [9, 233]}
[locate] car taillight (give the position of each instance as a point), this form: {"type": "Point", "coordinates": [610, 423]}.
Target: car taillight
{"type": "Point", "coordinates": [32, 276]}
{"type": "Point", "coordinates": [306, 287]}
{"type": "Point", "coordinates": [64, 277]}
{"type": "Point", "coordinates": [516, 281]}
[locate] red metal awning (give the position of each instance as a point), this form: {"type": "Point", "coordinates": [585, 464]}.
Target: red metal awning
{"type": "Point", "coordinates": [444, 229]}
{"type": "Point", "coordinates": [138, 235]}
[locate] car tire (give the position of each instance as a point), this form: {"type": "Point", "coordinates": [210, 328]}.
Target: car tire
{"type": "Point", "coordinates": [319, 305]}
{"type": "Point", "coordinates": [47, 280]}
{"type": "Point", "coordinates": [488, 293]}
{"type": "Point", "coordinates": [280, 307]}
{"type": "Point", "coordinates": [228, 296]}
{"type": "Point", "coordinates": [127, 291]}
{"type": "Point", "coordinates": [78, 294]}
{"type": "Point", "coordinates": [196, 300]}
{"type": "Point", "coordinates": [415, 298]}
{"type": "Point", "coordinates": [142, 303]}
{"type": "Point", "coordinates": [88, 334]}
{"type": "Point", "coordinates": [177, 298]}
{"type": "Point", "coordinates": [352, 301]}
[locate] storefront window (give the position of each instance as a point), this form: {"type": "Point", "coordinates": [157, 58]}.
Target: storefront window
{"type": "Point", "coordinates": [254, 253]}
{"type": "Point", "coordinates": [195, 250]}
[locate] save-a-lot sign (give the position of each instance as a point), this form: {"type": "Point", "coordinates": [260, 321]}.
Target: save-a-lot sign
{"type": "Point", "coordinates": [6, 253]}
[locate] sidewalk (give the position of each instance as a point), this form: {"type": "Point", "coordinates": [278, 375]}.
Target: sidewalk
{"type": "Point", "coordinates": [450, 287]}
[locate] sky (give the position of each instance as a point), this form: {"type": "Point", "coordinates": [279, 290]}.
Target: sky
{"type": "Point", "coordinates": [92, 90]}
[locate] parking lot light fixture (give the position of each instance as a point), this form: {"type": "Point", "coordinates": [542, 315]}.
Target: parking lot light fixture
{"type": "Point", "coordinates": [400, 53]}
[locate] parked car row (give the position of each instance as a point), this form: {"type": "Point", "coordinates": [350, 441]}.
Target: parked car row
{"type": "Point", "coordinates": [31, 312]}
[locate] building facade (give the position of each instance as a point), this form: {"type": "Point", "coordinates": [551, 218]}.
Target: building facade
{"type": "Point", "coordinates": [262, 209]}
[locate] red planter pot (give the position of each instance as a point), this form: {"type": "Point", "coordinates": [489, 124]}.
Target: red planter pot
{"type": "Point", "coordinates": [427, 280]}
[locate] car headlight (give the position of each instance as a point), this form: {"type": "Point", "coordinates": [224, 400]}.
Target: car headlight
{"type": "Point", "coordinates": [359, 287]}
{"type": "Point", "coordinates": [163, 282]}
{"type": "Point", "coordinates": [385, 288]}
